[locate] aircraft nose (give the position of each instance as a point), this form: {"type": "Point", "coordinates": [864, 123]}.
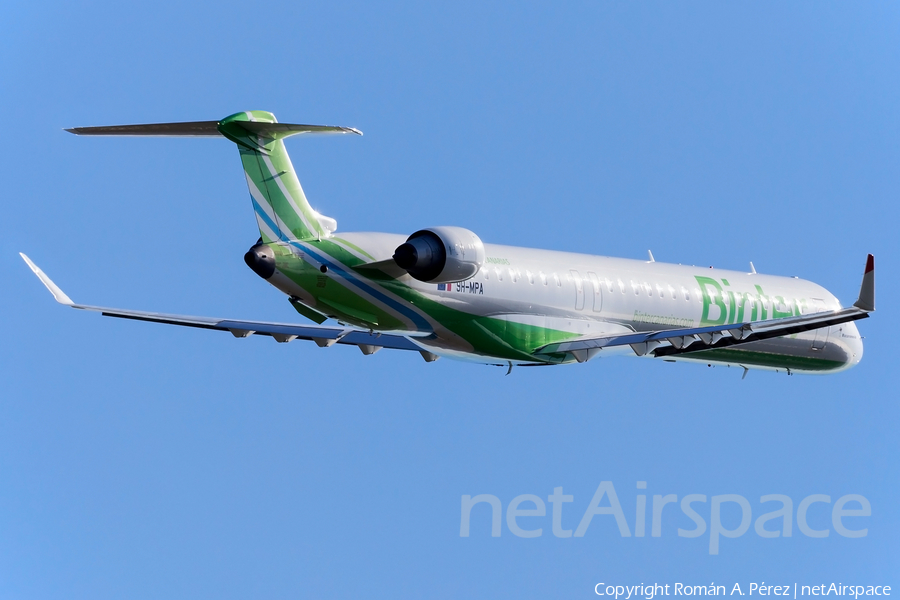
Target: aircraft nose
{"type": "Point", "coordinates": [854, 343]}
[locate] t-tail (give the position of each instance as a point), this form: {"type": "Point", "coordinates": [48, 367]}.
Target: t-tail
{"type": "Point", "coordinates": [282, 211]}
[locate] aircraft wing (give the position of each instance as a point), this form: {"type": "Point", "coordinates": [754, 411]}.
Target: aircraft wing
{"type": "Point", "coordinates": [695, 339]}
{"type": "Point", "coordinates": [323, 336]}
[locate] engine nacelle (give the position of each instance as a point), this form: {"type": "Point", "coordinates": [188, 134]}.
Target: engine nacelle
{"type": "Point", "coordinates": [441, 254]}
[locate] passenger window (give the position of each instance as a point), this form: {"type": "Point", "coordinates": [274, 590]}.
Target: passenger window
{"type": "Point", "coordinates": [621, 285]}
{"type": "Point", "coordinates": [543, 277]}
{"type": "Point", "coordinates": [530, 277]}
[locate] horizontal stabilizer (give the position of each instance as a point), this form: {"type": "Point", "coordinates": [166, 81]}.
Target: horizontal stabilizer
{"type": "Point", "coordinates": [210, 129]}
{"type": "Point", "coordinates": [189, 129]}
{"type": "Point", "coordinates": [286, 129]}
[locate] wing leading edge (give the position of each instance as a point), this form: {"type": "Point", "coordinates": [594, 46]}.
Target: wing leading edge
{"type": "Point", "coordinates": [368, 342]}
{"type": "Point", "coordinates": [682, 341]}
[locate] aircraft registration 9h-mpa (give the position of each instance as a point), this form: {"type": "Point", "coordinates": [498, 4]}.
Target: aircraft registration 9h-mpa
{"type": "Point", "coordinates": [443, 292]}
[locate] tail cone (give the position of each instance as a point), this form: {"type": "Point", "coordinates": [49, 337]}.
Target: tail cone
{"type": "Point", "coordinates": [261, 259]}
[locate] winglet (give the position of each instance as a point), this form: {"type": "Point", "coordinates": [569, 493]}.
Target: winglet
{"type": "Point", "coordinates": [866, 299]}
{"type": "Point", "coordinates": [58, 294]}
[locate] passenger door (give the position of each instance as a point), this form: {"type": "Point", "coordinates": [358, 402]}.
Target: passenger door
{"type": "Point", "coordinates": [598, 293]}
{"type": "Point", "coordinates": [579, 290]}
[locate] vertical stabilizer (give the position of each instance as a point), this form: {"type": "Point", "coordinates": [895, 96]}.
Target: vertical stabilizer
{"type": "Point", "coordinates": [282, 210]}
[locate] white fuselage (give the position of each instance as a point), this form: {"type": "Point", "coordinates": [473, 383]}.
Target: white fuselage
{"type": "Point", "coordinates": [595, 295]}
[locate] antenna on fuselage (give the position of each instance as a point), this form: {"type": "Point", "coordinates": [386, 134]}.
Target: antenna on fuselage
{"type": "Point", "coordinates": [752, 268]}
{"type": "Point", "coordinates": [651, 256]}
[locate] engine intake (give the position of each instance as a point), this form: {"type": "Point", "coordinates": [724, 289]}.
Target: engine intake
{"type": "Point", "coordinates": [441, 254]}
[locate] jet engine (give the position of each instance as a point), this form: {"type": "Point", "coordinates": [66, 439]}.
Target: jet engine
{"type": "Point", "coordinates": [441, 254]}
{"type": "Point", "coordinates": [261, 259]}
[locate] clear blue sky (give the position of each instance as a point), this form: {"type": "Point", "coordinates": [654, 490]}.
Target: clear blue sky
{"type": "Point", "coordinates": [145, 461]}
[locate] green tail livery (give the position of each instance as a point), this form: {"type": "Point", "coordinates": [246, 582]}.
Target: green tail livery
{"type": "Point", "coordinates": [441, 291]}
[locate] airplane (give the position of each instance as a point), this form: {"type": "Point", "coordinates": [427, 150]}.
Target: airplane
{"type": "Point", "coordinates": [443, 292]}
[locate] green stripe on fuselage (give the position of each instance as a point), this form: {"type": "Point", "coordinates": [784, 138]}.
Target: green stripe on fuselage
{"type": "Point", "coordinates": [488, 336]}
